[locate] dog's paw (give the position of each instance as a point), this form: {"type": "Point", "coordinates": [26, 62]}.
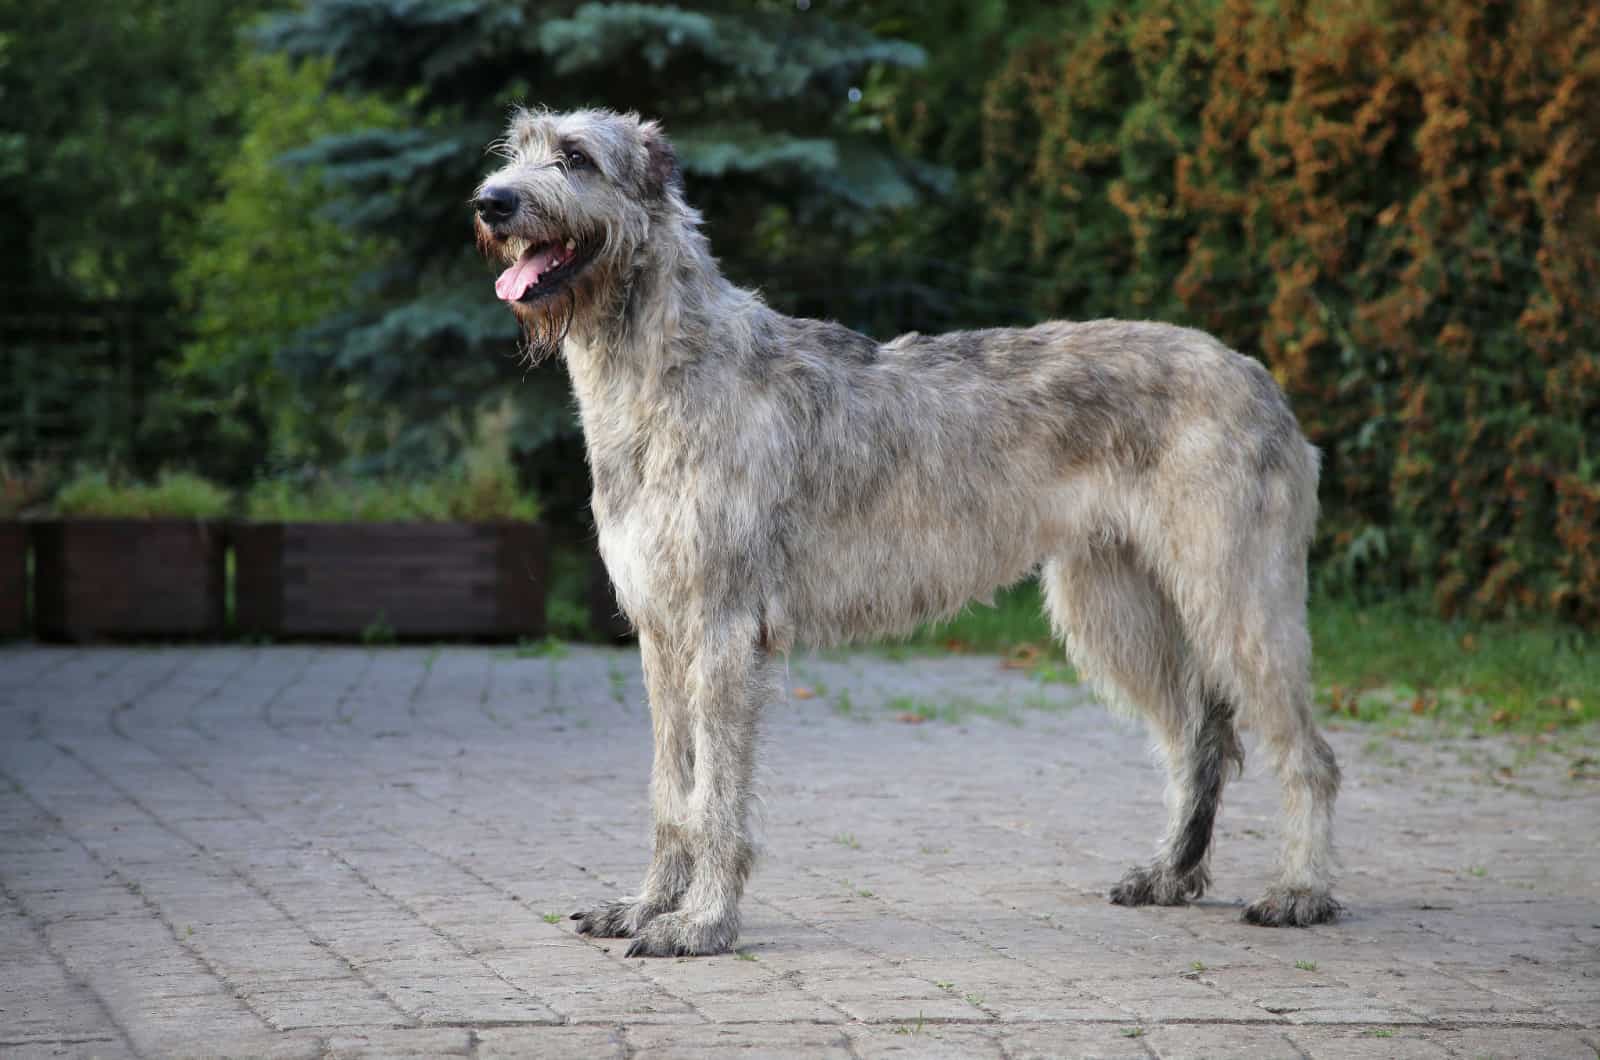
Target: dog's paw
{"type": "Point", "coordinates": [681, 935]}
{"type": "Point", "coordinates": [1157, 885]}
{"type": "Point", "coordinates": [620, 919]}
{"type": "Point", "coordinates": [1281, 907]}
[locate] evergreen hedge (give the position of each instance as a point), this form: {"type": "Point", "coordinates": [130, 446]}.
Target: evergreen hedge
{"type": "Point", "coordinates": [1395, 205]}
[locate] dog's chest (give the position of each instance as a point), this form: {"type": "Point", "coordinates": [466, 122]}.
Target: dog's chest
{"type": "Point", "coordinates": [627, 543]}
{"type": "Point", "coordinates": [647, 512]}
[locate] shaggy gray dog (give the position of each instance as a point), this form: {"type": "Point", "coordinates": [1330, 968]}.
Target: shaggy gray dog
{"type": "Point", "coordinates": [761, 480]}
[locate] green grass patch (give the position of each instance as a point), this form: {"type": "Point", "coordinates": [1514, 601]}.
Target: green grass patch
{"type": "Point", "coordinates": [1393, 660]}
{"type": "Point", "coordinates": [1388, 662]}
{"type": "Point", "coordinates": [843, 705]}
{"type": "Point", "coordinates": [954, 711]}
{"type": "Point", "coordinates": [549, 647]}
{"type": "Point", "coordinates": [378, 633]}
{"type": "Point", "coordinates": [1016, 620]}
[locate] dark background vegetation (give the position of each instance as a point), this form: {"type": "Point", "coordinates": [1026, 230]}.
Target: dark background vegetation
{"type": "Point", "coordinates": [236, 238]}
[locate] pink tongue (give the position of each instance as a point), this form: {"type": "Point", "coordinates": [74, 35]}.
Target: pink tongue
{"type": "Point", "coordinates": [515, 281]}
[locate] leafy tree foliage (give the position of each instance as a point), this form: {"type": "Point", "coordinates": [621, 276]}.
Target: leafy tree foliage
{"type": "Point", "coordinates": [758, 100]}
{"type": "Point", "coordinates": [264, 263]}
{"type": "Point", "coordinates": [111, 136]}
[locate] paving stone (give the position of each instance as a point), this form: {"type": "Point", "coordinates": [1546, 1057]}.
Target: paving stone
{"type": "Point", "coordinates": [360, 1043]}
{"type": "Point", "coordinates": [773, 1041]}
{"type": "Point", "coordinates": [1202, 1041]}
{"type": "Point", "coordinates": [513, 1043]}
{"type": "Point", "coordinates": [342, 852]}
{"type": "Point", "coordinates": [920, 1040]}
{"type": "Point", "coordinates": [96, 1048]}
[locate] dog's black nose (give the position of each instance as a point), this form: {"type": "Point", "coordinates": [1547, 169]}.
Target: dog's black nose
{"type": "Point", "coordinates": [496, 204]}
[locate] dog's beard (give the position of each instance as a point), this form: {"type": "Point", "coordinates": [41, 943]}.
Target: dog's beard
{"type": "Point", "coordinates": [545, 327]}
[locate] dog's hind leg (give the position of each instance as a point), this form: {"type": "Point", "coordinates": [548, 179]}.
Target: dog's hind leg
{"type": "Point", "coordinates": [1199, 759]}
{"type": "Point", "coordinates": [671, 782]}
{"type": "Point", "coordinates": [1275, 699]}
{"type": "Point", "coordinates": [1124, 634]}
{"type": "Point", "coordinates": [1242, 596]}
{"type": "Point", "coordinates": [730, 677]}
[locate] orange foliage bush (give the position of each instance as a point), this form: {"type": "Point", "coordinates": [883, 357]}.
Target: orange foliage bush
{"type": "Point", "coordinates": [1396, 205]}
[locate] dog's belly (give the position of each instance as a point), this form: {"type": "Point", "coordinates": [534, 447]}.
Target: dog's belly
{"type": "Point", "coordinates": [815, 578]}
{"type": "Point", "coordinates": [856, 580]}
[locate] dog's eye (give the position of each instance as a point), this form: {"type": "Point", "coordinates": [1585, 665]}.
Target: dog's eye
{"type": "Point", "coordinates": [577, 160]}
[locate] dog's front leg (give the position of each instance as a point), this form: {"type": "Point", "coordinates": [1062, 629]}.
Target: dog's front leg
{"type": "Point", "coordinates": [671, 781]}
{"type": "Point", "coordinates": [728, 678]}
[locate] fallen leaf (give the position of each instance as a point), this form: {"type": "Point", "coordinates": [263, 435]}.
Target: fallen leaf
{"type": "Point", "coordinates": [910, 717]}
{"type": "Point", "coordinates": [1419, 706]}
{"type": "Point", "coordinates": [1022, 657]}
{"type": "Point", "coordinates": [802, 692]}
{"type": "Point", "coordinates": [1500, 717]}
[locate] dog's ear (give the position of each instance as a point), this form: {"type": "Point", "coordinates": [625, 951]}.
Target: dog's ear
{"type": "Point", "coordinates": [661, 174]}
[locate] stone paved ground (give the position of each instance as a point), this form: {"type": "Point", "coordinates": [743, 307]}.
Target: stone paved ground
{"type": "Point", "coordinates": [302, 851]}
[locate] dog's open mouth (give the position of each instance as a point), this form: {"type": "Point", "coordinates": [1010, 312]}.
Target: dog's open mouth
{"type": "Point", "coordinates": [541, 270]}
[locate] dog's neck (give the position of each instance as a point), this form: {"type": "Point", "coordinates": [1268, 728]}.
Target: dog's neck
{"type": "Point", "coordinates": [664, 314]}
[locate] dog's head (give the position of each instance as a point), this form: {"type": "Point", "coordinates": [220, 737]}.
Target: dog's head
{"type": "Point", "coordinates": [569, 213]}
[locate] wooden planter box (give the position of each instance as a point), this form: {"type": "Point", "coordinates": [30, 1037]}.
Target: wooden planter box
{"type": "Point", "coordinates": [13, 578]}
{"type": "Point", "coordinates": [128, 578]}
{"type": "Point", "coordinates": [403, 579]}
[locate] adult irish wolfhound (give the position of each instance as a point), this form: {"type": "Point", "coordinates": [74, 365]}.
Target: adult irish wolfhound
{"type": "Point", "coordinates": [761, 480]}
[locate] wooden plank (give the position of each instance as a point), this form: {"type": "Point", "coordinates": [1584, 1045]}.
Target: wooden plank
{"type": "Point", "coordinates": [257, 584]}
{"type": "Point", "coordinates": [117, 578]}
{"type": "Point", "coordinates": [423, 579]}
{"type": "Point", "coordinates": [522, 577]}
{"type": "Point", "coordinates": [13, 578]}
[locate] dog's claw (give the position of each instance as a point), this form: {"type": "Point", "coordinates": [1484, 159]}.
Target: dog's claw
{"type": "Point", "coordinates": [620, 919]}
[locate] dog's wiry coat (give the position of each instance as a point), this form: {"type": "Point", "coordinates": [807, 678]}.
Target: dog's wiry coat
{"type": "Point", "coordinates": [761, 480]}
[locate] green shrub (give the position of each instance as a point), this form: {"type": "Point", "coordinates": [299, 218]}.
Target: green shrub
{"type": "Point", "coordinates": [482, 487]}
{"type": "Point", "coordinates": [457, 495]}
{"type": "Point", "coordinates": [174, 495]}
{"type": "Point", "coordinates": [326, 499]}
